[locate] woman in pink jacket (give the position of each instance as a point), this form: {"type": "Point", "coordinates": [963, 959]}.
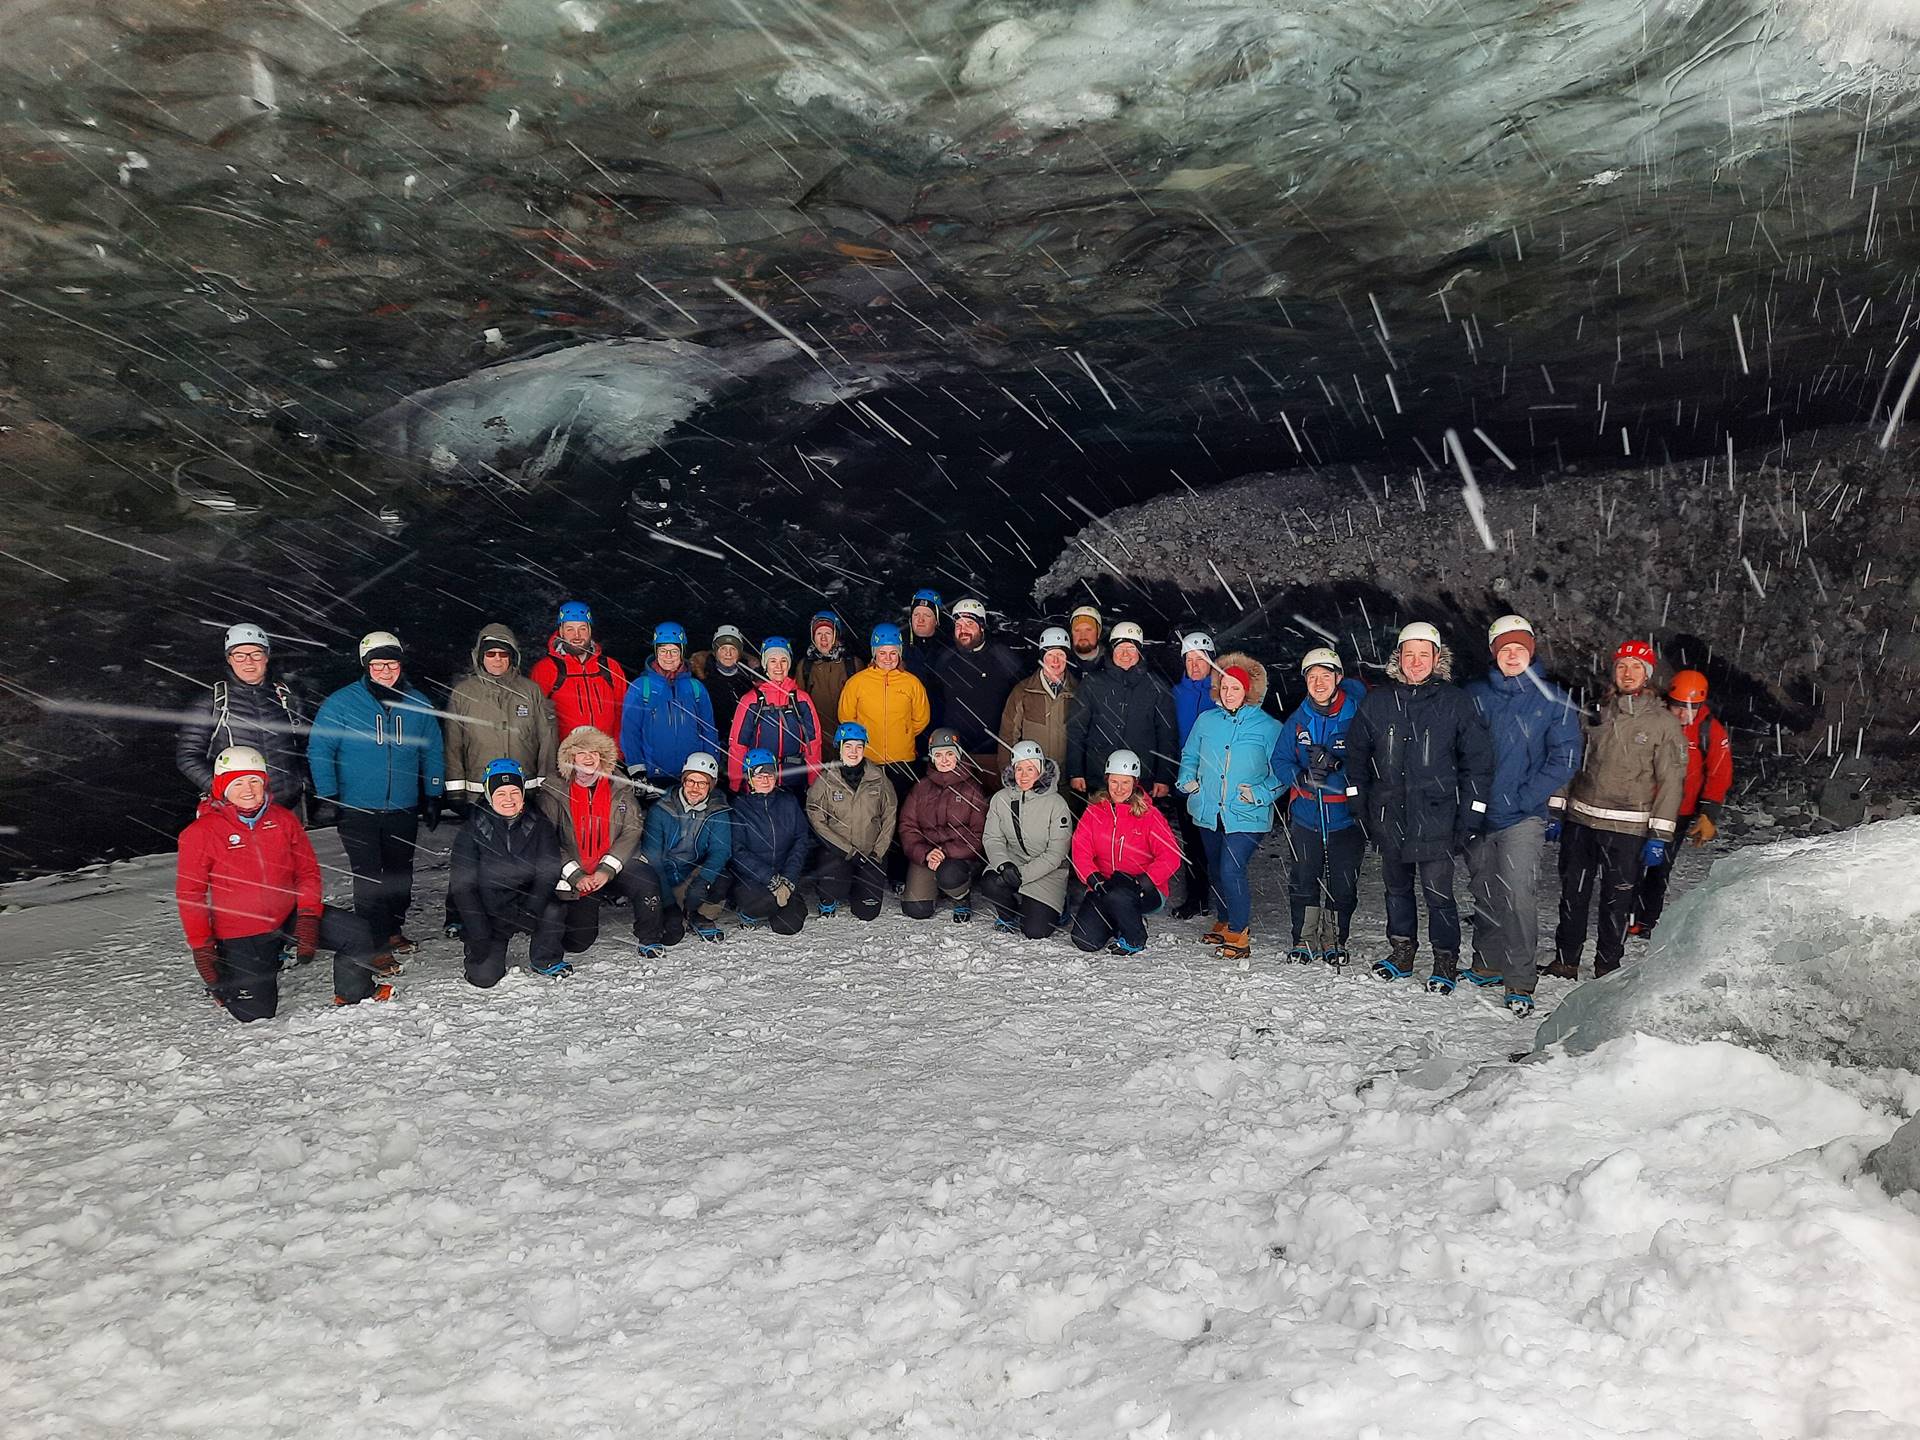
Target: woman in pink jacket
{"type": "Point", "coordinates": [1125, 854]}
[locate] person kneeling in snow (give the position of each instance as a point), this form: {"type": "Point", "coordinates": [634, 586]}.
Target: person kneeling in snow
{"type": "Point", "coordinates": [771, 842]}
{"type": "Point", "coordinates": [1125, 854]}
{"type": "Point", "coordinates": [852, 809]}
{"type": "Point", "coordinates": [506, 865]}
{"type": "Point", "coordinates": [688, 837]}
{"type": "Point", "coordinates": [940, 829]}
{"type": "Point", "coordinates": [248, 884]}
{"type": "Point", "coordinates": [598, 818]}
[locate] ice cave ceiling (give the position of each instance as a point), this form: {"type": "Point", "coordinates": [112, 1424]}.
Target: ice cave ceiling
{"type": "Point", "coordinates": [237, 234]}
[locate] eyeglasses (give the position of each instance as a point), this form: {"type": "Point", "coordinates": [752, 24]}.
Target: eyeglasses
{"type": "Point", "coordinates": [247, 655]}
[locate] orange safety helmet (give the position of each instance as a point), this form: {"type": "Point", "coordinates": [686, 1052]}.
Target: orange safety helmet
{"type": "Point", "coordinates": [1689, 687]}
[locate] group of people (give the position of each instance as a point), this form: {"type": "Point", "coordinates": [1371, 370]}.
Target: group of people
{"type": "Point", "coordinates": [776, 783]}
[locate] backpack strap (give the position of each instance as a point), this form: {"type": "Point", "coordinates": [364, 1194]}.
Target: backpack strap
{"type": "Point", "coordinates": [222, 709]}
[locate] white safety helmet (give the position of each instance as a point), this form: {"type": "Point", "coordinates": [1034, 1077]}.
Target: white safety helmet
{"type": "Point", "coordinates": [1054, 638]}
{"type": "Point", "coordinates": [1322, 656]}
{"type": "Point", "coordinates": [970, 609]}
{"type": "Point", "coordinates": [1419, 630]}
{"type": "Point", "coordinates": [1123, 762]}
{"type": "Point", "coordinates": [1127, 630]}
{"type": "Point", "coordinates": [375, 641]}
{"type": "Point", "coordinates": [1028, 750]}
{"type": "Point", "coordinates": [1196, 640]}
{"type": "Point", "coordinates": [238, 757]}
{"type": "Point", "coordinates": [238, 635]}
{"type": "Point", "coordinates": [701, 763]}
{"type": "Point", "coordinates": [1506, 625]}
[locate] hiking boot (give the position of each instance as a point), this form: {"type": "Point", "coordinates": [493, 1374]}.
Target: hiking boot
{"type": "Point", "coordinates": [1477, 977]}
{"type": "Point", "coordinates": [1236, 944]}
{"type": "Point", "coordinates": [384, 966]}
{"type": "Point", "coordinates": [1520, 1006]}
{"type": "Point", "coordinates": [1562, 970]}
{"type": "Point", "coordinates": [962, 911]}
{"type": "Point", "coordinates": [1398, 965]}
{"type": "Point", "coordinates": [829, 909]}
{"type": "Point", "coordinates": [1002, 925]}
{"type": "Point", "coordinates": [1187, 909]}
{"type": "Point", "coordinates": [454, 930]}
{"type": "Point", "coordinates": [1216, 934]}
{"type": "Point", "coordinates": [400, 945]}
{"type": "Point", "coordinates": [1122, 946]}
{"type": "Point", "coordinates": [1301, 954]}
{"type": "Point", "coordinates": [1336, 957]}
{"type": "Point", "coordinates": [1446, 972]}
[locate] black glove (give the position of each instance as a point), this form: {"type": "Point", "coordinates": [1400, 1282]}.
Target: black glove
{"type": "Point", "coordinates": [1010, 875]}
{"type": "Point", "coordinates": [322, 814]}
{"type": "Point", "coordinates": [1097, 884]}
{"type": "Point", "coordinates": [1319, 765]}
{"type": "Point", "coordinates": [432, 808]}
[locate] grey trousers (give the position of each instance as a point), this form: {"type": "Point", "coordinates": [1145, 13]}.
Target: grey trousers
{"type": "Point", "coordinates": [1504, 866]}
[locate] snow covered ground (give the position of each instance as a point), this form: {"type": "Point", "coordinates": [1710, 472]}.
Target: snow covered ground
{"type": "Point", "coordinates": [915, 1180]}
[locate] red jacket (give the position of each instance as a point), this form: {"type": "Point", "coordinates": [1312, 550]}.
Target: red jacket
{"type": "Point", "coordinates": [585, 689]}
{"type": "Point", "coordinates": [1709, 766]}
{"type": "Point", "coordinates": [1115, 840]}
{"type": "Point", "coordinates": [946, 812]}
{"type": "Point", "coordinates": [234, 879]}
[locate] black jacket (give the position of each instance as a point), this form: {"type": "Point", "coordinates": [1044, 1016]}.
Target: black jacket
{"type": "Point", "coordinates": [974, 685]}
{"type": "Point", "coordinates": [771, 837]}
{"type": "Point", "coordinates": [1419, 768]}
{"type": "Point", "coordinates": [265, 716]}
{"type": "Point", "coordinates": [504, 871]}
{"type": "Point", "coordinates": [1117, 709]}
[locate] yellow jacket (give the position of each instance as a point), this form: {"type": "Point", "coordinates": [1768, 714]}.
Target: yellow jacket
{"type": "Point", "coordinates": [892, 704]}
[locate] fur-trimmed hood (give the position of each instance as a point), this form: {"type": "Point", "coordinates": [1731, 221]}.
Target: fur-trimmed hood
{"type": "Point", "coordinates": [1049, 778]}
{"type": "Point", "coordinates": [497, 634]}
{"type": "Point", "coordinates": [586, 737]}
{"type": "Point", "coordinates": [1256, 692]}
{"type": "Point", "coordinates": [1442, 666]}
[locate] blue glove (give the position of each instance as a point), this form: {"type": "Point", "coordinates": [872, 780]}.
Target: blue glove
{"type": "Point", "coordinates": [1653, 853]}
{"type": "Point", "coordinates": [1552, 832]}
{"type": "Point", "coordinates": [709, 931]}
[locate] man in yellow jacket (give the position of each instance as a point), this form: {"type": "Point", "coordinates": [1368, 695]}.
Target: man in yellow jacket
{"type": "Point", "coordinates": [892, 704]}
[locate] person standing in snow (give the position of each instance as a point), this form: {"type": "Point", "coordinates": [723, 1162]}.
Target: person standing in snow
{"type": "Point", "coordinates": [1125, 854]}
{"type": "Point", "coordinates": [1419, 761]}
{"type": "Point", "coordinates": [251, 707]}
{"type": "Point", "coordinates": [1122, 706]}
{"type": "Point", "coordinates": [687, 840]}
{"type": "Point", "coordinates": [504, 881]}
{"type": "Point", "coordinates": [940, 828]}
{"type": "Point", "coordinates": [1709, 778]}
{"type": "Point", "coordinates": [1536, 750]}
{"type": "Point", "coordinates": [1192, 698]}
{"type": "Point", "coordinates": [1228, 775]}
{"type": "Point", "coordinates": [1618, 814]}
{"type": "Point", "coordinates": [1089, 655]}
{"type": "Point", "coordinates": [376, 753]}
{"type": "Point", "coordinates": [771, 843]}
{"type": "Point", "coordinates": [1038, 706]}
{"type": "Point", "coordinates": [853, 811]}
{"type": "Point", "coordinates": [597, 816]}
{"type": "Point", "coordinates": [892, 707]}
{"type": "Point", "coordinates": [925, 645]}
{"type": "Point", "coordinates": [247, 885]}
{"type": "Point", "coordinates": [976, 676]}
{"type": "Point", "coordinates": [1323, 834]}
{"type": "Point", "coordinates": [779, 717]}
{"type": "Point", "coordinates": [826, 667]}
{"type": "Point", "coordinates": [1027, 845]}
{"type": "Point", "coordinates": [667, 715]}
{"type": "Point", "coordinates": [585, 684]}
{"type": "Point", "coordinates": [728, 671]}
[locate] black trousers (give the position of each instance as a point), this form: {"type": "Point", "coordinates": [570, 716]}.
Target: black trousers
{"type": "Point", "coordinates": [1596, 860]}
{"type": "Point", "coordinates": [1650, 900]}
{"type": "Point", "coordinates": [1120, 909]}
{"type": "Point", "coordinates": [379, 846]}
{"type": "Point", "coordinates": [855, 880]}
{"type": "Point", "coordinates": [1199, 891]}
{"type": "Point", "coordinates": [1037, 918]}
{"type": "Point", "coordinates": [756, 902]}
{"type": "Point", "coordinates": [249, 968]}
{"type": "Point", "coordinates": [903, 776]}
{"type": "Point", "coordinates": [1333, 859]}
{"type": "Point", "coordinates": [639, 887]}
{"type": "Point", "coordinates": [541, 918]}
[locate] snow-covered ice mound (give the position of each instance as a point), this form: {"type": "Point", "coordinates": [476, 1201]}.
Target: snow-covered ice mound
{"type": "Point", "coordinates": [1806, 949]}
{"type": "Point", "coordinates": [913, 1180]}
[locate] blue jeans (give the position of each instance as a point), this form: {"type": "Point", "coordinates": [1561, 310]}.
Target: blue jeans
{"type": "Point", "coordinates": [1228, 855]}
{"type": "Point", "coordinates": [1436, 884]}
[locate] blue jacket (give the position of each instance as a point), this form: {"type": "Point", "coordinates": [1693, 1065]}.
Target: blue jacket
{"type": "Point", "coordinates": [771, 837]}
{"type": "Point", "coordinates": [1323, 803]}
{"type": "Point", "coordinates": [370, 753]}
{"type": "Point", "coordinates": [1536, 743]}
{"type": "Point", "coordinates": [665, 720]}
{"type": "Point", "coordinates": [1191, 699]}
{"type": "Point", "coordinates": [1225, 751]}
{"type": "Point", "coordinates": [682, 844]}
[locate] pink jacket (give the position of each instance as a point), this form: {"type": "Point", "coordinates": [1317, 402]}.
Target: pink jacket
{"type": "Point", "coordinates": [1115, 840]}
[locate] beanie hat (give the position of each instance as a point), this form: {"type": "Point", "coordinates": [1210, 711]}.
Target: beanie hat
{"type": "Point", "coordinates": [1637, 650]}
{"type": "Point", "coordinates": [1513, 637]}
{"type": "Point", "coordinates": [1240, 673]}
{"type": "Point", "coordinates": [502, 773]}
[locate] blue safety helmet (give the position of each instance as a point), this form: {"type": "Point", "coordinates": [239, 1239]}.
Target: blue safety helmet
{"type": "Point", "coordinates": [883, 636]}
{"type": "Point", "coordinates": [925, 597]}
{"type": "Point", "coordinates": [850, 730]}
{"type": "Point", "coordinates": [504, 771]}
{"type": "Point", "coordinates": [670, 632]}
{"type": "Point", "coordinates": [575, 612]}
{"type": "Point", "coordinates": [760, 759]}
{"type": "Point", "coordinates": [776, 642]}
{"type": "Point", "coordinates": [826, 616]}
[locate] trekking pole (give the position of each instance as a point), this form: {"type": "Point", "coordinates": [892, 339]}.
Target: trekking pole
{"type": "Point", "coordinates": [1327, 932]}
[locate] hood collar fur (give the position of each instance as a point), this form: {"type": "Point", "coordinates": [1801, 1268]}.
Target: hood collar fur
{"type": "Point", "coordinates": [1442, 667]}
{"type": "Point", "coordinates": [1257, 692]}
